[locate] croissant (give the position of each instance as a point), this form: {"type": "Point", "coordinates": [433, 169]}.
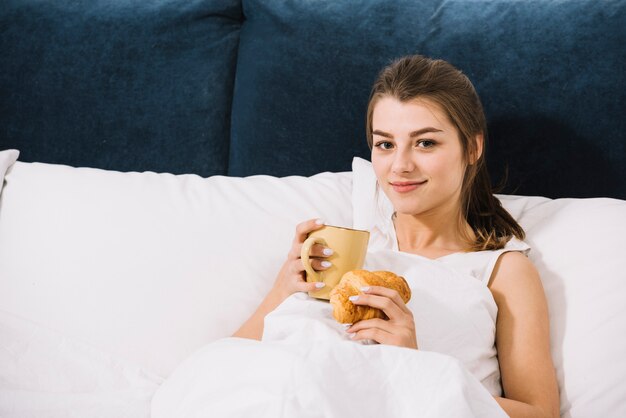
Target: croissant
{"type": "Point", "coordinates": [345, 312]}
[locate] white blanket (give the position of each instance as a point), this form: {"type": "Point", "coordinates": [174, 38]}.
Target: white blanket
{"type": "Point", "coordinates": [44, 374]}
{"type": "Point", "coordinates": [306, 366]}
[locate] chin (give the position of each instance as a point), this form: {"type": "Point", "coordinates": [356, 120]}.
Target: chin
{"type": "Point", "coordinates": [408, 210]}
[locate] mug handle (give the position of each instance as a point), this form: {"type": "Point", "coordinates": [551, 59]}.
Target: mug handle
{"type": "Point", "coordinates": [311, 274]}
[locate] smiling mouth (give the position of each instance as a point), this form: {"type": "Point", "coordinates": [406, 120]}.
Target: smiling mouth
{"type": "Point", "coordinates": [404, 187]}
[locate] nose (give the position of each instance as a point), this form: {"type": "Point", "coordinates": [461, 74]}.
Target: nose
{"type": "Point", "coordinates": [403, 162]}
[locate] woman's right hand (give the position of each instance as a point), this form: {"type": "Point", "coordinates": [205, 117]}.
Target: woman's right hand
{"type": "Point", "coordinates": [292, 278]}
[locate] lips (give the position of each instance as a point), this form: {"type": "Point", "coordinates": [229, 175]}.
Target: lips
{"type": "Point", "coordinates": [406, 186]}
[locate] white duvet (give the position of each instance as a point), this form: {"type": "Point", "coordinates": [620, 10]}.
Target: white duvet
{"type": "Point", "coordinates": [306, 366]}
{"type": "Point", "coordinates": [44, 374]}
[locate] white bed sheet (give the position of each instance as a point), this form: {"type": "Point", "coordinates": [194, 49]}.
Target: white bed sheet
{"type": "Point", "coordinates": [44, 374]}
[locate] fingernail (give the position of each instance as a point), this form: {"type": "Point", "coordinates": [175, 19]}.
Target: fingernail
{"type": "Point", "coordinates": [352, 335]}
{"type": "Point", "coordinates": [319, 222]}
{"type": "Point", "coordinates": [346, 326]}
{"type": "Point", "coordinates": [319, 285]}
{"type": "Point", "coordinates": [328, 251]}
{"type": "Point", "coordinates": [326, 264]}
{"type": "Point", "coordinates": [354, 298]}
{"type": "Point", "coordinates": [365, 288]}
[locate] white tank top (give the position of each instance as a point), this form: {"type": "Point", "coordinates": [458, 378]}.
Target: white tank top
{"type": "Point", "coordinates": [453, 308]}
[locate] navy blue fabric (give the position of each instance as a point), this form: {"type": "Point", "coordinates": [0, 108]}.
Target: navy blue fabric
{"type": "Point", "coordinates": [550, 73]}
{"type": "Point", "coordinates": [281, 87]}
{"type": "Point", "coordinates": [552, 78]}
{"type": "Point", "coordinates": [125, 85]}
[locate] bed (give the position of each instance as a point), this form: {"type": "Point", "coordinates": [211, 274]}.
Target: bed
{"type": "Point", "coordinates": [156, 156]}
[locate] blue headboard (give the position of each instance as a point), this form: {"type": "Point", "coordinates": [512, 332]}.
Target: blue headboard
{"type": "Point", "coordinates": [281, 87]}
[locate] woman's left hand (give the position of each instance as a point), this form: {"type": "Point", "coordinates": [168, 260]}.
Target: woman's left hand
{"type": "Point", "coordinates": [398, 330]}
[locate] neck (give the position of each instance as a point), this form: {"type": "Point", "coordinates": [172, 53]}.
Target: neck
{"type": "Point", "coordinates": [432, 234]}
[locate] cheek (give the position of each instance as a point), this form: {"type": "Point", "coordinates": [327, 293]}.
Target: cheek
{"type": "Point", "coordinates": [451, 170]}
{"type": "Point", "coordinates": [456, 174]}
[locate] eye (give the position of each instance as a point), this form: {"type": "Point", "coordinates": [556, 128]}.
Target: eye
{"type": "Point", "coordinates": [384, 145]}
{"type": "Point", "coordinates": [426, 143]}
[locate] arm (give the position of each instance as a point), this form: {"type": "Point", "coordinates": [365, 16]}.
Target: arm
{"type": "Point", "coordinates": [523, 339]}
{"type": "Point", "coordinates": [253, 327]}
{"type": "Point", "coordinates": [290, 279]}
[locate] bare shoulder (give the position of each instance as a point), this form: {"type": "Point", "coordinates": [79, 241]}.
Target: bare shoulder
{"type": "Point", "coordinates": [515, 274]}
{"type": "Point", "coordinates": [515, 282]}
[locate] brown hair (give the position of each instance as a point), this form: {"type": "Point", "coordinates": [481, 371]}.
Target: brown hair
{"type": "Point", "coordinates": [416, 76]}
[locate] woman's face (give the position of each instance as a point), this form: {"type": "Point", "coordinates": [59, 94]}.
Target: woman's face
{"type": "Point", "coordinates": [417, 156]}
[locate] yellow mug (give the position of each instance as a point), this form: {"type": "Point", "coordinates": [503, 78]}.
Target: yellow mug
{"type": "Point", "coordinates": [349, 248]}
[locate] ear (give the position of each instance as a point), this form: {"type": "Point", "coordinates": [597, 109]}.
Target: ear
{"type": "Point", "coordinates": [479, 141]}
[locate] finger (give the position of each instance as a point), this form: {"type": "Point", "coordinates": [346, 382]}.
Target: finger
{"type": "Point", "coordinates": [376, 334]}
{"type": "Point", "coordinates": [370, 323]}
{"type": "Point", "coordinates": [297, 267]}
{"type": "Point", "coordinates": [392, 335]}
{"type": "Point", "coordinates": [317, 250]}
{"type": "Point", "coordinates": [384, 303]}
{"type": "Point", "coordinates": [304, 228]}
{"type": "Point", "coordinates": [303, 286]}
{"type": "Point", "coordinates": [390, 293]}
{"type": "Point", "coordinates": [320, 265]}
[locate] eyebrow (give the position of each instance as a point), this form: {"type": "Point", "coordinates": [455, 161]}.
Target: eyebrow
{"type": "Point", "coordinates": [412, 134]}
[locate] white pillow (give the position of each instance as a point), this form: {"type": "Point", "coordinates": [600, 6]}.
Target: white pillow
{"type": "Point", "coordinates": [578, 247]}
{"type": "Point", "coordinates": [146, 266]}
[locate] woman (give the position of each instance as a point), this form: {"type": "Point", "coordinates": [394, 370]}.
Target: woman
{"type": "Point", "coordinates": [427, 131]}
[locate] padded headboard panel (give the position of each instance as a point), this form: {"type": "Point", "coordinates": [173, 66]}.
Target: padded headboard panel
{"type": "Point", "coordinates": [551, 75]}
{"type": "Point", "coordinates": [244, 87]}
{"type": "Point", "coordinates": [126, 85]}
